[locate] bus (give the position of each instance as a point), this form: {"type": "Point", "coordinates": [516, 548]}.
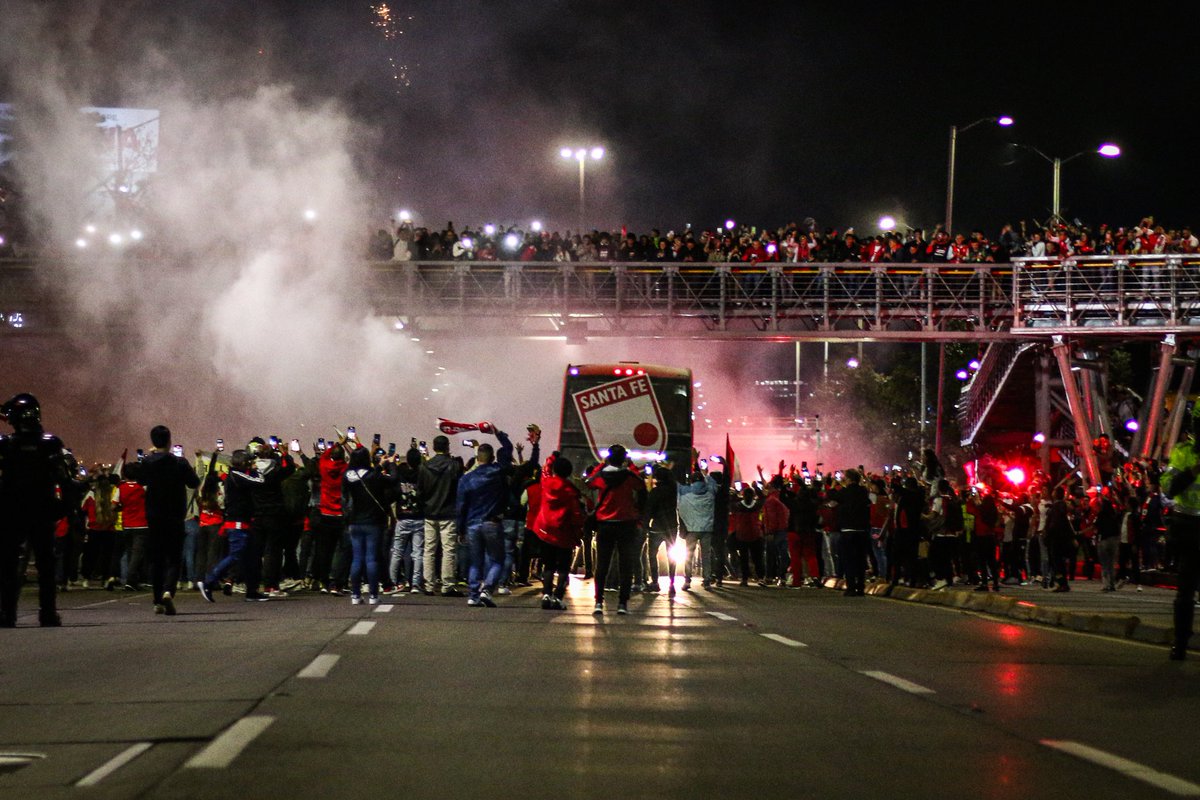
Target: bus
{"type": "Point", "coordinates": [646, 408]}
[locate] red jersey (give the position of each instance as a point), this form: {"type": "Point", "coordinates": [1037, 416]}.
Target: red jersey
{"type": "Point", "coordinates": [132, 497]}
{"type": "Point", "coordinates": [331, 470]}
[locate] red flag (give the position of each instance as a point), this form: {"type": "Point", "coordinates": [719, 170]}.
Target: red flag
{"type": "Point", "coordinates": [451, 428]}
{"type": "Point", "coordinates": [733, 470]}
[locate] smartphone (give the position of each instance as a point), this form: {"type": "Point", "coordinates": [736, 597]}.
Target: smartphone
{"type": "Point", "coordinates": [837, 476]}
{"type": "Point", "coordinates": [379, 452]}
{"type": "Point", "coordinates": [424, 450]}
{"type": "Point", "coordinates": [648, 469]}
{"type": "Point", "coordinates": [391, 448]}
{"type": "Point", "coordinates": [717, 460]}
{"type": "Point", "coordinates": [141, 456]}
{"type": "Point", "coordinates": [376, 439]}
{"type": "Point", "coordinates": [220, 445]}
{"type": "Point", "coordinates": [322, 447]}
{"type": "Point", "coordinates": [177, 450]}
{"type": "Point", "coordinates": [352, 434]}
{"type": "Point", "coordinates": [470, 443]}
{"type": "Point", "coordinates": [702, 463]}
{"type": "Point", "coordinates": [804, 465]}
{"type": "Point", "coordinates": [294, 446]}
{"type": "Point", "coordinates": [738, 485]}
{"type": "Point", "coordinates": [321, 443]}
{"type": "Point", "coordinates": [273, 441]}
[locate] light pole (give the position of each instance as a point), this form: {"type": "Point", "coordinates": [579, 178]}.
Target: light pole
{"type": "Point", "coordinates": [954, 131]}
{"type": "Point", "coordinates": [1107, 150]}
{"type": "Point", "coordinates": [582, 154]}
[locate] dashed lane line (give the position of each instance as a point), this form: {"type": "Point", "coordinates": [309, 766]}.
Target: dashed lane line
{"type": "Point", "coordinates": [361, 628]}
{"type": "Point", "coordinates": [320, 666]}
{"type": "Point", "coordinates": [114, 764]}
{"type": "Point", "coordinates": [221, 751]}
{"type": "Point", "coordinates": [898, 682]}
{"type": "Point", "coordinates": [775, 637]}
{"type": "Point", "coordinates": [721, 616]}
{"type": "Point", "coordinates": [384, 609]}
{"type": "Point", "coordinates": [1132, 769]}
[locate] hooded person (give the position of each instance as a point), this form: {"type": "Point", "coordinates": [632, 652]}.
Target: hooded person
{"type": "Point", "coordinates": [620, 497]}
{"type": "Point", "coordinates": [437, 488]}
{"type": "Point", "coordinates": [559, 526]}
{"type": "Point", "coordinates": [408, 544]}
{"type": "Point", "coordinates": [366, 494]}
{"type": "Point", "coordinates": [328, 524]}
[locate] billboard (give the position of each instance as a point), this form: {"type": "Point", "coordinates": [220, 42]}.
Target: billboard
{"type": "Point", "coordinates": [126, 138]}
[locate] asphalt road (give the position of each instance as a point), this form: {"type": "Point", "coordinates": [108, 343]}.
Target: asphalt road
{"type": "Point", "coordinates": [746, 693]}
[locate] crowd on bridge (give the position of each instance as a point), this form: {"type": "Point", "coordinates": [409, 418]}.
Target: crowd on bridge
{"type": "Point", "coordinates": [349, 519]}
{"type": "Point", "coordinates": [792, 243]}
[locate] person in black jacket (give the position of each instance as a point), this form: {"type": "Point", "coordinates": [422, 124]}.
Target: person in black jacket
{"type": "Point", "coordinates": [270, 530]}
{"type": "Point", "coordinates": [167, 478]}
{"type": "Point", "coordinates": [366, 493]}
{"type": "Point", "coordinates": [662, 522]}
{"type": "Point", "coordinates": [240, 484]}
{"type": "Point", "coordinates": [853, 506]}
{"type": "Point", "coordinates": [437, 487]}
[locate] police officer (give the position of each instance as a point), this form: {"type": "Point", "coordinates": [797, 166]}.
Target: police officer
{"type": "Point", "coordinates": [1182, 488]}
{"type": "Point", "coordinates": [34, 476]}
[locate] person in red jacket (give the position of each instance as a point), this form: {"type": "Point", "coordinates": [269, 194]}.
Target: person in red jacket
{"type": "Point", "coordinates": [775, 517]}
{"type": "Point", "coordinates": [746, 528]}
{"type": "Point", "coordinates": [559, 526]}
{"type": "Point", "coordinates": [131, 552]}
{"type": "Point", "coordinates": [620, 495]}
{"type": "Point", "coordinates": [328, 529]}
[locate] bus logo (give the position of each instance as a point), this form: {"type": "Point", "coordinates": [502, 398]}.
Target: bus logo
{"type": "Point", "coordinates": [624, 411]}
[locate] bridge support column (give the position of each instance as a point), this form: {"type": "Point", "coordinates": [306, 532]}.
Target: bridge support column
{"type": "Point", "coordinates": [1175, 422]}
{"type": "Point", "coordinates": [1083, 434]}
{"type": "Point", "coordinates": [1042, 409]}
{"type": "Point", "coordinates": [1161, 380]}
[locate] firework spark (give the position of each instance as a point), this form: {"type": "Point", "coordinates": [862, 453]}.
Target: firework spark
{"type": "Point", "coordinates": [388, 24]}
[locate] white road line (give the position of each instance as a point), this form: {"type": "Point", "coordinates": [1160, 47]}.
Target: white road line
{"type": "Point", "coordinates": [721, 616]}
{"type": "Point", "coordinates": [114, 764]}
{"type": "Point", "coordinates": [1132, 769]}
{"type": "Point", "coordinates": [320, 666]}
{"type": "Point", "coordinates": [222, 750]}
{"type": "Point", "coordinates": [775, 637]}
{"type": "Point", "coordinates": [361, 628]}
{"type": "Point", "coordinates": [384, 609]}
{"type": "Point", "coordinates": [899, 683]}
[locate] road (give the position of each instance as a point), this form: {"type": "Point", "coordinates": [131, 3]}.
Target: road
{"type": "Point", "coordinates": [744, 693]}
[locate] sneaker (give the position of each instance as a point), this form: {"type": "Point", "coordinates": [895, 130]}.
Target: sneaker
{"type": "Point", "coordinates": [227, 589]}
{"type": "Point", "coordinates": [289, 584]}
{"type": "Point", "coordinates": [547, 602]}
{"type": "Point", "coordinates": [129, 587]}
{"type": "Point", "coordinates": [486, 599]}
{"type": "Point", "coordinates": [622, 608]}
{"type": "Point", "coordinates": [687, 584]}
{"type": "Point", "coordinates": [654, 588]}
{"type": "Point", "coordinates": [205, 592]}
{"type": "Point", "coordinates": [159, 608]}
{"type": "Point", "coordinates": [671, 591]}
{"type": "Point", "coordinates": [939, 585]}
{"type": "Point", "coordinates": [451, 592]}
{"type": "Point", "coordinates": [255, 597]}
{"type": "Point", "coordinates": [240, 588]}
{"type": "Point", "coordinates": [355, 600]}
{"type": "Point", "coordinates": [415, 590]}
{"type": "Point", "coordinates": [559, 604]}
{"type": "Point", "coordinates": [111, 584]}
{"type": "Point", "coordinates": [706, 586]}
{"type": "Point", "coordinates": [168, 603]}
{"type": "Point", "coordinates": [471, 601]}
{"type": "Point", "coordinates": [48, 619]}
{"type": "Point", "coordinates": [503, 590]}
{"type": "Point", "coordinates": [373, 600]}
{"type": "Point", "coordinates": [276, 593]}
{"type": "Point", "coordinates": [598, 610]}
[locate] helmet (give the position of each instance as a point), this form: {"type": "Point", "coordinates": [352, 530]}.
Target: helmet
{"type": "Point", "coordinates": [23, 413]}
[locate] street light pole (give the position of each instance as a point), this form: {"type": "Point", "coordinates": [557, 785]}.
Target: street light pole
{"type": "Point", "coordinates": [582, 194]}
{"type": "Point", "coordinates": [581, 154]}
{"type": "Point", "coordinates": [1107, 150]}
{"type": "Point", "coordinates": [954, 131]}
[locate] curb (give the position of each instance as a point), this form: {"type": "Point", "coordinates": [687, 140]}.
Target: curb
{"type": "Point", "coordinates": [1118, 626]}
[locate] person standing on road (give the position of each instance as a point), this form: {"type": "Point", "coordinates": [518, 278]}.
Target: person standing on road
{"type": "Point", "coordinates": [167, 478]}
{"type": "Point", "coordinates": [480, 502]}
{"type": "Point", "coordinates": [559, 526]}
{"type": "Point", "coordinates": [240, 484]}
{"type": "Point", "coordinates": [696, 501]}
{"type": "Point", "coordinates": [34, 472]}
{"type": "Point", "coordinates": [437, 485]}
{"type": "Point", "coordinates": [407, 564]}
{"type": "Point", "coordinates": [1183, 490]}
{"type": "Point", "coordinates": [620, 496]}
{"type": "Point", "coordinates": [852, 503]}
{"type": "Point", "coordinates": [366, 493]}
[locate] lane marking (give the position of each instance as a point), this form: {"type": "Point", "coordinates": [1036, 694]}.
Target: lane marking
{"type": "Point", "coordinates": [361, 628]}
{"type": "Point", "coordinates": [898, 682]}
{"type": "Point", "coordinates": [320, 666]}
{"type": "Point", "coordinates": [775, 637]}
{"type": "Point", "coordinates": [720, 616]}
{"type": "Point", "coordinates": [384, 609]}
{"type": "Point", "coordinates": [1126, 767]}
{"type": "Point", "coordinates": [221, 751]}
{"type": "Point", "coordinates": [114, 764]}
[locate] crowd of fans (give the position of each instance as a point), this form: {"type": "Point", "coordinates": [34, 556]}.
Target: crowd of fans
{"type": "Point", "coordinates": [346, 518]}
{"type": "Point", "coordinates": [792, 243]}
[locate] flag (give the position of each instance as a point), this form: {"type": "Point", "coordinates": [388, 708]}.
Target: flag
{"type": "Point", "coordinates": [733, 470]}
{"type": "Point", "coordinates": [451, 428]}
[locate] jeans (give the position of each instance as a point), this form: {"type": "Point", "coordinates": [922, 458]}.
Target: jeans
{"type": "Point", "coordinates": [237, 544]}
{"type": "Point", "coordinates": [191, 532]}
{"type": "Point", "coordinates": [441, 533]}
{"type": "Point", "coordinates": [364, 549]}
{"type": "Point", "coordinates": [657, 539]}
{"type": "Point", "coordinates": [514, 530]}
{"type": "Point", "coordinates": [777, 555]}
{"type": "Point", "coordinates": [133, 555]}
{"type": "Point", "coordinates": [832, 554]}
{"type": "Point", "coordinates": [879, 546]}
{"type": "Point", "coordinates": [408, 552]}
{"type": "Point", "coordinates": [485, 545]}
{"type": "Point", "coordinates": [1107, 548]}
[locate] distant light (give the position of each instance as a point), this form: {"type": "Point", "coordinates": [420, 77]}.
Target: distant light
{"type": "Point", "coordinates": [887, 223]}
{"type": "Point", "coordinates": [115, 238]}
{"type": "Point", "coordinates": [1131, 425]}
{"type": "Point", "coordinates": [404, 215]}
{"type": "Point", "coordinates": [696, 384]}
{"type": "Point", "coordinates": [617, 371]}
{"type": "Point", "coordinates": [1015, 475]}
{"type": "Point", "coordinates": [90, 228]}
{"type": "Point", "coordinates": [573, 370]}
{"type": "Point", "coordinates": [771, 248]}
{"type": "Point", "coordinates": [415, 338]}
{"type": "Point", "coordinates": [81, 243]}
{"type": "Point", "coordinates": [1039, 437]}
{"type": "Point", "coordinates": [429, 353]}
{"type": "Point", "coordinates": [536, 225]}
{"type": "Point", "coordinates": [566, 152]}
{"type": "Point", "coordinates": [852, 363]}
{"type": "Point", "coordinates": [628, 372]}
{"type": "Point", "coordinates": [123, 189]}
{"type": "Point", "coordinates": [1004, 121]}
{"type": "Point", "coordinates": [467, 243]}
{"type": "Point", "coordinates": [597, 153]}
{"type": "Point", "coordinates": [398, 325]}
{"type": "Point", "coordinates": [973, 364]}
{"type": "Point", "coordinates": [310, 214]}
{"type": "Point", "coordinates": [136, 235]}
{"type": "Point", "coordinates": [580, 154]}
{"type": "Point", "coordinates": [489, 229]}
{"type": "Point", "coordinates": [729, 224]}
{"type": "Point", "coordinates": [511, 241]}
{"type": "Point", "coordinates": [1109, 150]}
{"type": "Point", "coordinates": [962, 375]}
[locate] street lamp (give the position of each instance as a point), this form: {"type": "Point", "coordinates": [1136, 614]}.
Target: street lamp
{"type": "Point", "coordinates": [1004, 122]}
{"type": "Point", "coordinates": [887, 223]}
{"type": "Point", "coordinates": [582, 154]}
{"type": "Point", "coordinates": [1106, 150]}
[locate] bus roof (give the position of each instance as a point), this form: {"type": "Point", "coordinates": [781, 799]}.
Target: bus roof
{"type": "Point", "coordinates": [629, 368]}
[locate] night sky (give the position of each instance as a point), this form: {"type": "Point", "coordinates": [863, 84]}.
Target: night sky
{"type": "Point", "coordinates": [767, 113]}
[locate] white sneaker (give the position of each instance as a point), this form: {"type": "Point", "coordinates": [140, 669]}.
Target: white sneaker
{"type": "Point", "coordinates": [559, 605]}
{"type": "Point", "coordinates": [940, 585]}
{"type": "Point", "coordinates": [355, 601]}
{"type": "Point", "coordinates": [503, 590]}
{"type": "Point", "coordinates": [374, 601]}
{"type": "Point", "coordinates": [598, 611]}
